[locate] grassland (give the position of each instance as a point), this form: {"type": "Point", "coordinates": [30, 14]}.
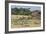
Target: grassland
{"type": "Point", "coordinates": [20, 21]}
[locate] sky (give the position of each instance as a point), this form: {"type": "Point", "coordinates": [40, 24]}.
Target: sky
{"type": "Point", "coordinates": [31, 7]}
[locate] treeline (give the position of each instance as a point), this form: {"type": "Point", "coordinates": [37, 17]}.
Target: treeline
{"type": "Point", "coordinates": [21, 11]}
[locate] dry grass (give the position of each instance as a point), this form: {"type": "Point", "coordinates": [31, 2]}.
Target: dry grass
{"type": "Point", "coordinates": [19, 21]}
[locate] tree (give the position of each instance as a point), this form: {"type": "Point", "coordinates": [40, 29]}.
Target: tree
{"type": "Point", "coordinates": [21, 11]}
